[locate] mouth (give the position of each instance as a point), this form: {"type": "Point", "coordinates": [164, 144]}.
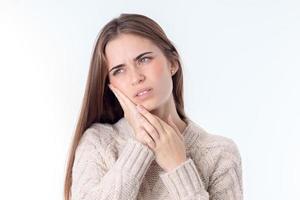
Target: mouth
{"type": "Point", "coordinates": [144, 93]}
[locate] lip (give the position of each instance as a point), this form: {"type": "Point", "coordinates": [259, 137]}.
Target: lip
{"type": "Point", "coordinates": [141, 90]}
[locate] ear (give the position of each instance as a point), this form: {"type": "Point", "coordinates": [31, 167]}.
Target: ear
{"type": "Point", "coordinates": [173, 67]}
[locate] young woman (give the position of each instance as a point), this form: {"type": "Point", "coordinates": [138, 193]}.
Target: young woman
{"type": "Point", "coordinates": [133, 139]}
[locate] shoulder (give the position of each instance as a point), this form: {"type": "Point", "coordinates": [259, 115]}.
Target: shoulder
{"type": "Point", "coordinates": [107, 137]}
{"type": "Point", "coordinates": [205, 141]}
{"type": "Point", "coordinates": [219, 143]}
{"type": "Point", "coordinates": [98, 135]}
{"type": "Point", "coordinates": [218, 160]}
{"type": "Point", "coordinates": [214, 149]}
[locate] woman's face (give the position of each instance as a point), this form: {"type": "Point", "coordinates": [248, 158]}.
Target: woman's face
{"type": "Point", "coordinates": [136, 63]}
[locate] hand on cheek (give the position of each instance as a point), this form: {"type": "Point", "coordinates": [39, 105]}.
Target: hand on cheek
{"type": "Point", "coordinates": [134, 118]}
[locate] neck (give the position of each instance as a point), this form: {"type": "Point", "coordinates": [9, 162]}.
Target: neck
{"type": "Point", "coordinates": [170, 108]}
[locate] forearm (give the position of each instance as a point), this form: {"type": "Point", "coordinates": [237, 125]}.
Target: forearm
{"type": "Point", "coordinates": [120, 182]}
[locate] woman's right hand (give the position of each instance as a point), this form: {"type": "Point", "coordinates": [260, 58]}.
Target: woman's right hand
{"type": "Point", "coordinates": [134, 117]}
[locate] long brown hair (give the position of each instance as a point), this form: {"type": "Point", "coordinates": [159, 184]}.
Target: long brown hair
{"type": "Point", "coordinates": [99, 103]}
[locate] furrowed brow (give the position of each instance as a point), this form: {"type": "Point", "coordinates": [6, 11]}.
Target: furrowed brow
{"type": "Point", "coordinates": [135, 59]}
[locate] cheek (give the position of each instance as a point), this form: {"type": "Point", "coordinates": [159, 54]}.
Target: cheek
{"type": "Point", "coordinates": [119, 84]}
{"type": "Point", "coordinates": [160, 77]}
{"type": "Point", "coordinates": [118, 81]}
{"type": "Point", "coordinates": [158, 71]}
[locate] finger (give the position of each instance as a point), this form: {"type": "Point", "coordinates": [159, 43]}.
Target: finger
{"type": "Point", "coordinates": [128, 105]}
{"type": "Point", "coordinates": [152, 119]}
{"type": "Point", "coordinates": [148, 140]}
{"type": "Point", "coordinates": [114, 90]}
{"type": "Point", "coordinates": [125, 99]}
{"type": "Point", "coordinates": [148, 127]}
{"type": "Point", "coordinates": [170, 127]}
{"type": "Point", "coordinates": [173, 125]}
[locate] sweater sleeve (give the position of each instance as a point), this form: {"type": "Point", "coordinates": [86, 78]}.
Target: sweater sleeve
{"type": "Point", "coordinates": [92, 180]}
{"type": "Point", "coordinates": [184, 182]}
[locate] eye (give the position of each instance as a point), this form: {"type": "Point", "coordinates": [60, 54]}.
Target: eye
{"type": "Point", "coordinates": [117, 71]}
{"type": "Point", "coordinates": [145, 60]}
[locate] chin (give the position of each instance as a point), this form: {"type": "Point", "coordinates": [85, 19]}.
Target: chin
{"type": "Point", "coordinates": [154, 107]}
{"type": "Point", "coordinates": [149, 106]}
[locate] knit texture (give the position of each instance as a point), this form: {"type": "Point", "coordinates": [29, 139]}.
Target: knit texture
{"type": "Point", "coordinates": [111, 164]}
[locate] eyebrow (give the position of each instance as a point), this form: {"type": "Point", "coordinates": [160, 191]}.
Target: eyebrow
{"type": "Point", "coordinates": [135, 59]}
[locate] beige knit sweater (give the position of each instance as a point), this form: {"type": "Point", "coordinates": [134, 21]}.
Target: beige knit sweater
{"type": "Point", "coordinates": [111, 164]}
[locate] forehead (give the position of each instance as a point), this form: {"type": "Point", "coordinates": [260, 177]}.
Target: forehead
{"type": "Point", "coordinates": [127, 46]}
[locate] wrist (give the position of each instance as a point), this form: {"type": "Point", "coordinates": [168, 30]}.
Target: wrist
{"type": "Point", "coordinates": [176, 165]}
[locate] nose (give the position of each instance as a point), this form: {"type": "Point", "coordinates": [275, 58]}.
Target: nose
{"type": "Point", "coordinates": [137, 77]}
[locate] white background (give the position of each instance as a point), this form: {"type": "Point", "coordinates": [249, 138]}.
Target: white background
{"type": "Point", "coordinates": [241, 72]}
